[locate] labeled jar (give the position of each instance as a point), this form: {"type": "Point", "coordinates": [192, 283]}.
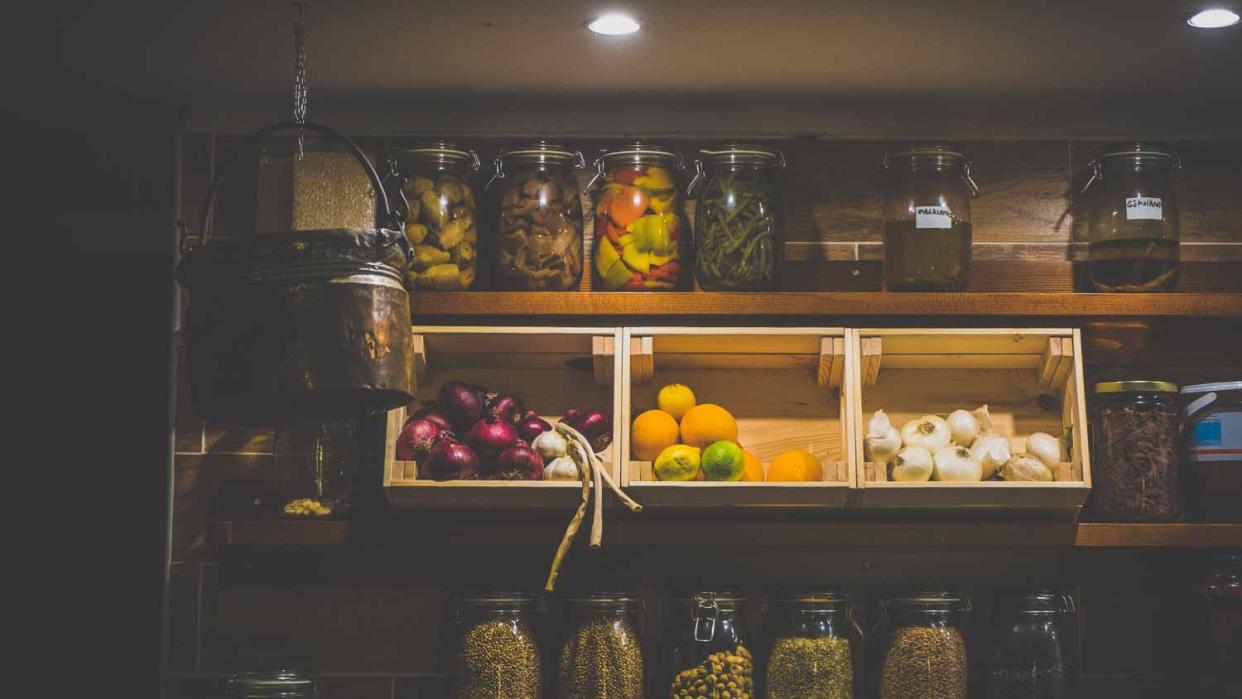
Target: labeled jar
{"type": "Point", "coordinates": [497, 648]}
{"type": "Point", "coordinates": [315, 469]}
{"type": "Point", "coordinates": [1032, 647]}
{"type": "Point", "coordinates": [1221, 597]}
{"type": "Point", "coordinates": [1134, 452]}
{"type": "Point", "coordinates": [920, 647]}
{"type": "Point", "coordinates": [274, 684]}
{"type": "Point", "coordinates": [639, 231]}
{"type": "Point", "coordinates": [927, 229]}
{"type": "Point", "coordinates": [739, 225]}
{"type": "Point", "coordinates": [1132, 219]}
{"type": "Point", "coordinates": [711, 652]}
{"type": "Point", "coordinates": [431, 184]}
{"type": "Point", "coordinates": [813, 646]}
{"type": "Point", "coordinates": [1214, 450]}
{"type": "Point", "coordinates": [601, 657]}
{"type": "Point", "coordinates": [539, 231]}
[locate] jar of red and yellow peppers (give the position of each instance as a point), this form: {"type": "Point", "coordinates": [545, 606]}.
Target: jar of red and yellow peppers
{"type": "Point", "coordinates": [639, 230]}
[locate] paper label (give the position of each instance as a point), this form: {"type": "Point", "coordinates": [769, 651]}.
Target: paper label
{"type": "Point", "coordinates": [1217, 438]}
{"type": "Point", "coordinates": [933, 217]}
{"type": "Point", "coordinates": [1144, 209]}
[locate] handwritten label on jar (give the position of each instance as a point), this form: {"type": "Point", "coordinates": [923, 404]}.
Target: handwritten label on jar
{"type": "Point", "coordinates": [1144, 209]}
{"type": "Point", "coordinates": [932, 217]}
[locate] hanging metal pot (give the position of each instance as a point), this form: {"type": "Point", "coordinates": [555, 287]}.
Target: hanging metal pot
{"type": "Point", "coordinates": [301, 324]}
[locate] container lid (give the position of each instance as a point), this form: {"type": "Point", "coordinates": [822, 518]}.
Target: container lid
{"type": "Point", "coordinates": [1213, 387]}
{"type": "Point", "coordinates": [930, 600]}
{"type": "Point", "coordinates": [825, 598]}
{"type": "Point", "coordinates": [504, 597]}
{"type": "Point", "coordinates": [276, 684]}
{"type": "Point", "coordinates": [445, 152]}
{"type": "Point", "coordinates": [1135, 387]}
{"type": "Point", "coordinates": [729, 153]}
{"type": "Point", "coordinates": [728, 595]}
{"type": "Point", "coordinates": [542, 152]}
{"type": "Point", "coordinates": [640, 152]}
{"type": "Point", "coordinates": [603, 598]}
{"type": "Point", "coordinates": [1136, 149]}
{"type": "Point", "coordinates": [924, 150]}
{"type": "Point", "coordinates": [1037, 602]}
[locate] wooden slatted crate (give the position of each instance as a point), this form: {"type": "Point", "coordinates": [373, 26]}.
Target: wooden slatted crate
{"type": "Point", "coordinates": [551, 369]}
{"type": "Point", "coordinates": [785, 386]}
{"type": "Point", "coordinates": [1031, 380]}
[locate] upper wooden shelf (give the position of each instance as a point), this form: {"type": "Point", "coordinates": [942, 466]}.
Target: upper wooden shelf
{"type": "Point", "coordinates": [495, 304]}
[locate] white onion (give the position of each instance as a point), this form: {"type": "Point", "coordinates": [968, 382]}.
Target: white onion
{"type": "Point", "coordinates": [550, 445]}
{"type": "Point", "coordinates": [1044, 447]}
{"type": "Point", "coordinates": [930, 432]}
{"type": "Point", "coordinates": [954, 463]}
{"type": "Point", "coordinates": [561, 469]}
{"type": "Point", "coordinates": [963, 427]}
{"type": "Point", "coordinates": [912, 464]}
{"type": "Point", "coordinates": [1026, 468]}
{"type": "Point", "coordinates": [882, 440]}
{"type": "Point", "coordinates": [991, 451]}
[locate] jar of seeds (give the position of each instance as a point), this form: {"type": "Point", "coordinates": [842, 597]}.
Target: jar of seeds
{"type": "Point", "coordinates": [812, 652]}
{"type": "Point", "coordinates": [497, 650]}
{"type": "Point", "coordinates": [602, 655]}
{"type": "Point", "coordinates": [711, 655]}
{"type": "Point", "coordinates": [920, 648]}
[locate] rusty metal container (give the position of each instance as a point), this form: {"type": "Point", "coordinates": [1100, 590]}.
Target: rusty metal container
{"type": "Point", "coordinates": [305, 324]}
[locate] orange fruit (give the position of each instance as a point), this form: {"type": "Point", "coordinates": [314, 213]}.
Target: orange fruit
{"type": "Point", "coordinates": [796, 465]}
{"type": "Point", "coordinates": [652, 432]}
{"type": "Point", "coordinates": [752, 470]}
{"type": "Point", "coordinates": [707, 423]}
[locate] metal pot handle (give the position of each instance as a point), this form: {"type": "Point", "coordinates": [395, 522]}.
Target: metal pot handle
{"type": "Point", "coordinates": [384, 213]}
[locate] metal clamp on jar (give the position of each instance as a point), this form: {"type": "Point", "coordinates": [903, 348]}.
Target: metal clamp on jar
{"type": "Point", "coordinates": [714, 649]}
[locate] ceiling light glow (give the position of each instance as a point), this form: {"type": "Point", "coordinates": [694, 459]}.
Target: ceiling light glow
{"type": "Point", "coordinates": [1213, 18]}
{"type": "Point", "coordinates": [614, 24]}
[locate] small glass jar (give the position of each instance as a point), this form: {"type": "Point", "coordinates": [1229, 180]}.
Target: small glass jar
{"type": "Point", "coordinates": [713, 648]}
{"type": "Point", "coordinates": [1214, 450]}
{"type": "Point", "coordinates": [276, 684]}
{"type": "Point", "coordinates": [497, 648]}
{"type": "Point", "coordinates": [539, 233]}
{"type": "Point", "coordinates": [639, 230]}
{"type": "Point", "coordinates": [1221, 597]}
{"type": "Point", "coordinates": [315, 466]}
{"type": "Point", "coordinates": [1032, 647]}
{"type": "Point", "coordinates": [431, 185]}
{"type": "Point", "coordinates": [927, 228]}
{"type": "Point", "coordinates": [813, 641]}
{"type": "Point", "coordinates": [601, 657]}
{"type": "Point", "coordinates": [739, 225]}
{"type": "Point", "coordinates": [1134, 452]}
{"type": "Point", "coordinates": [920, 647]}
{"type": "Point", "coordinates": [1133, 228]}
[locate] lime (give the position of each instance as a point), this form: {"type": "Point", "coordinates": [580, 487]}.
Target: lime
{"type": "Point", "coordinates": [723, 461]}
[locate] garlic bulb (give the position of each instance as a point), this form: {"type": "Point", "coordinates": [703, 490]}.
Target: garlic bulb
{"type": "Point", "coordinates": [963, 427]}
{"type": "Point", "coordinates": [560, 469]}
{"type": "Point", "coordinates": [984, 417]}
{"type": "Point", "coordinates": [1044, 447]}
{"type": "Point", "coordinates": [991, 451]}
{"type": "Point", "coordinates": [954, 463]}
{"type": "Point", "coordinates": [1026, 468]}
{"type": "Point", "coordinates": [550, 445]}
{"type": "Point", "coordinates": [912, 464]}
{"type": "Point", "coordinates": [930, 432]}
{"type": "Point", "coordinates": [882, 440]}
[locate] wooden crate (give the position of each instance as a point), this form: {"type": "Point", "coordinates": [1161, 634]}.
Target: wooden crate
{"type": "Point", "coordinates": [1031, 380]}
{"type": "Point", "coordinates": [551, 369]}
{"type": "Point", "coordinates": [784, 386]}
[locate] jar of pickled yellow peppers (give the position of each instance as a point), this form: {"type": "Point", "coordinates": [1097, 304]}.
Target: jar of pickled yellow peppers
{"type": "Point", "coordinates": [640, 234]}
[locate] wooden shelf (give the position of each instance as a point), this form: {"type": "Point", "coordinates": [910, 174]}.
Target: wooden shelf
{"type": "Point", "coordinates": [450, 305]}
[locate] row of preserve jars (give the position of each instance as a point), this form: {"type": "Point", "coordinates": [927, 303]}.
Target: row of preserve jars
{"type": "Point", "coordinates": [642, 241]}
{"type": "Point", "coordinates": [815, 648]}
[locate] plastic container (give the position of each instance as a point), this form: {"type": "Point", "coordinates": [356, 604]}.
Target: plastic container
{"type": "Point", "coordinates": [1213, 465]}
{"type": "Point", "coordinates": [711, 646]}
{"type": "Point", "coordinates": [601, 657]}
{"type": "Point", "coordinates": [497, 648]}
{"type": "Point", "coordinates": [539, 232]}
{"type": "Point", "coordinates": [1134, 452]}
{"type": "Point", "coordinates": [739, 226]}
{"type": "Point", "coordinates": [1033, 647]}
{"type": "Point", "coordinates": [927, 227]}
{"type": "Point", "coordinates": [919, 647]}
{"type": "Point", "coordinates": [640, 234]}
{"type": "Point", "coordinates": [814, 646]}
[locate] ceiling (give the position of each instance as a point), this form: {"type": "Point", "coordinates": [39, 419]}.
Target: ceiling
{"type": "Point", "coordinates": [195, 52]}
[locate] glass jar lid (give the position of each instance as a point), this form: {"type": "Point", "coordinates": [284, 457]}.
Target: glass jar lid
{"type": "Point", "coordinates": [826, 599]}
{"type": "Point", "coordinates": [939, 157]}
{"type": "Point", "coordinates": [604, 598]}
{"type": "Point", "coordinates": [1135, 387]}
{"type": "Point", "coordinates": [930, 601]}
{"type": "Point", "coordinates": [275, 684]}
{"type": "Point", "coordinates": [541, 153]}
{"type": "Point", "coordinates": [723, 597]}
{"type": "Point", "coordinates": [502, 598]}
{"type": "Point", "coordinates": [640, 153]}
{"type": "Point", "coordinates": [1037, 602]}
{"type": "Point", "coordinates": [742, 153]}
{"type": "Point", "coordinates": [437, 152]}
{"type": "Point", "coordinates": [1137, 149]}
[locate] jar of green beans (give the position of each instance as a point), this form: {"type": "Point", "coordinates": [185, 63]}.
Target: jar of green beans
{"type": "Point", "coordinates": [739, 227]}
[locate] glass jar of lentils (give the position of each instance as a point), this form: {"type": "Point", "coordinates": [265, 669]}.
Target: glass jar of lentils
{"type": "Point", "coordinates": [601, 657]}
{"type": "Point", "coordinates": [812, 653]}
{"type": "Point", "coordinates": [920, 647]}
{"type": "Point", "coordinates": [497, 647]}
{"type": "Point", "coordinates": [1134, 452]}
{"type": "Point", "coordinates": [712, 653]}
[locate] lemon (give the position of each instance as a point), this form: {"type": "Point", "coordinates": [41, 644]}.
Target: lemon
{"type": "Point", "coordinates": [723, 461]}
{"type": "Point", "coordinates": [677, 463]}
{"type": "Point", "coordinates": [675, 399]}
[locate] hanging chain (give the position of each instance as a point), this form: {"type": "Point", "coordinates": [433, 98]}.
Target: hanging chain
{"type": "Point", "coordinates": [299, 72]}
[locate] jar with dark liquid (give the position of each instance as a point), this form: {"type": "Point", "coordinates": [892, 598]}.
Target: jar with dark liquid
{"type": "Point", "coordinates": [927, 235]}
{"type": "Point", "coordinates": [1133, 228]}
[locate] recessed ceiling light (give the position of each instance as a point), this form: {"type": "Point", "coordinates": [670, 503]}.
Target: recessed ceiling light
{"type": "Point", "coordinates": [1213, 18]}
{"type": "Point", "coordinates": [614, 24]}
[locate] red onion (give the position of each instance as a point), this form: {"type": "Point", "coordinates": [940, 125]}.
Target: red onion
{"type": "Point", "coordinates": [504, 407]}
{"type": "Point", "coordinates": [449, 460]}
{"type": "Point", "coordinates": [595, 425]}
{"type": "Point", "coordinates": [430, 412]}
{"type": "Point", "coordinates": [461, 403]}
{"type": "Point", "coordinates": [490, 436]}
{"type": "Point", "coordinates": [531, 426]}
{"type": "Point", "coordinates": [416, 439]}
{"type": "Point", "coordinates": [519, 462]}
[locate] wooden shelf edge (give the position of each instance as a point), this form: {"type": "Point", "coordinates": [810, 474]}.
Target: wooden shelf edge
{"type": "Point", "coordinates": [1174, 535]}
{"type": "Point", "coordinates": [280, 532]}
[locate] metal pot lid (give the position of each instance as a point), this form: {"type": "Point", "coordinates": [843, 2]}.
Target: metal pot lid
{"type": "Point", "coordinates": [1217, 387]}
{"type": "Point", "coordinates": [332, 250]}
{"type": "Point", "coordinates": [438, 152]}
{"type": "Point", "coordinates": [1135, 387]}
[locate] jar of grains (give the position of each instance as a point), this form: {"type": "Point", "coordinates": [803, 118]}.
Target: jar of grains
{"type": "Point", "coordinates": [1134, 452]}
{"type": "Point", "coordinates": [497, 648]}
{"type": "Point", "coordinates": [1032, 647]}
{"type": "Point", "coordinates": [920, 648]}
{"type": "Point", "coordinates": [602, 655]}
{"type": "Point", "coordinates": [812, 653]}
{"type": "Point", "coordinates": [711, 653]}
